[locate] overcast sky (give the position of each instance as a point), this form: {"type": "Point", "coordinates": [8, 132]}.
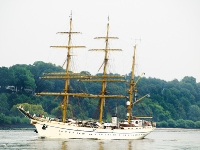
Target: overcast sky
{"type": "Point", "coordinates": [169, 31]}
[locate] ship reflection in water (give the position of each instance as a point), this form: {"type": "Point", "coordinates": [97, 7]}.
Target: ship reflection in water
{"type": "Point", "coordinates": [98, 144]}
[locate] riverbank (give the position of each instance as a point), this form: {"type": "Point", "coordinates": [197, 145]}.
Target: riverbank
{"type": "Point", "coordinates": [16, 126]}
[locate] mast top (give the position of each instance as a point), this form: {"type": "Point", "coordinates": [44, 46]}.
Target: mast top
{"type": "Point", "coordinates": [70, 15]}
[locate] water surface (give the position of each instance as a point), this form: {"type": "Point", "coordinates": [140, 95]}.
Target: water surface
{"type": "Point", "coordinates": [160, 139]}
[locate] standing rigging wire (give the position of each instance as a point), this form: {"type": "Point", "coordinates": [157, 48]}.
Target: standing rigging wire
{"type": "Point", "coordinates": [73, 66]}
{"type": "Point", "coordinates": [111, 66]}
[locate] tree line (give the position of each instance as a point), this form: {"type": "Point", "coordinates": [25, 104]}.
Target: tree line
{"type": "Point", "coordinates": [172, 104]}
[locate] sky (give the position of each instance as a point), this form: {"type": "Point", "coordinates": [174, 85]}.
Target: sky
{"type": "Point", "coordinates": [167, 33]}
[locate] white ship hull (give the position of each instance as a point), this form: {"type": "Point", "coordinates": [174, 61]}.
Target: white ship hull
{"type": "Point", "coordinates": [72, 131]}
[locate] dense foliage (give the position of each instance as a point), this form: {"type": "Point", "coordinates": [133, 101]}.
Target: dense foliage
{"type": "Point", "coordinates": [172, 104]}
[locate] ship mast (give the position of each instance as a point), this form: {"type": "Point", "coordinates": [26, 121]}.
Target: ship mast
{"type": "Point", "coordinates": [133, 90]}
{"type": "Point", "coordinates": [104, 77]}
{"type": "Point", "coordinates": [67, 75]}
{"type": "Point", "coordinates": [102, 100]}
{"type": "Point", "coordinates": [66, 88]}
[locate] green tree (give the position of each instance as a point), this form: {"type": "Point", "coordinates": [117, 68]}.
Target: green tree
{"type": "Point", "coordinates": [7, 120]}
{"type": "Point", "coordinates": [32, 108]}
{"type": "Point", "coordinates": [190, 80]}
{"type": "Point", "coordinates": [4, 106]}
{"type": "Point", "coordinates": [23, 78]}
{"type": "Point", "coordinates": [108, 117]}
{"type": "Point", "coordinates": [181, 123]}
{"type": "Point", "coordinates": [15, 98]}
{"type": "Point", "coordinates": [159, 112]}
{"type": "Point", "coordinates": [197, 124]}
{"type": "Point", "coordinates": [121, 112]}
{"type": "Point", "coordinates": [38, 69]}
{"type": "Point", "coordinates": [2, 117]}
{"type": "Point", "coordinates": [57, 112]}
{"type": "Point", "coordinates": [190, 124]}
{"type": "Point", "coordinates": [194, 113]}
{"type": "Point", "coordinates": [6, 77]}
{"type": "Point", "coordinates": [171, 123]}
{"type": "Point", "coordinates": [163, 124]}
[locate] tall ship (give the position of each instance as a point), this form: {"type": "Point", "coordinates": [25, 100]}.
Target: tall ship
{"type": "Point", "coordinates": [131, 127]}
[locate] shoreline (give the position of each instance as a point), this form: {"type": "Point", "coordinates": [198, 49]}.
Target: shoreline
{"type": "Point", "coordinates": [16, 126]}
{"type": "Point", "coordinates": [177, 129]}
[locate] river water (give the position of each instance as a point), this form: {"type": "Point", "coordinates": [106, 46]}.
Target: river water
{"type": "Point", "coordinates": [160, 139]}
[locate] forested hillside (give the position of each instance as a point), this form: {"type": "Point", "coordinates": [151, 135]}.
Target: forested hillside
{"type": "Point", "coordinates": [172, 104]}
